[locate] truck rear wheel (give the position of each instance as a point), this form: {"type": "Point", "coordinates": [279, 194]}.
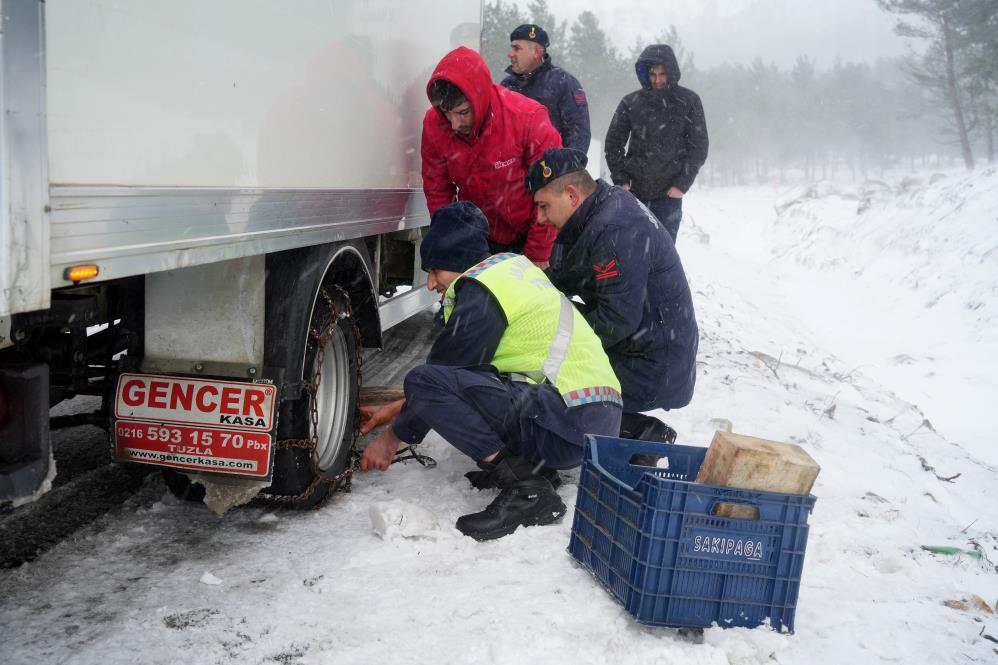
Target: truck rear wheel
{"type": "Point", "coordinates": [324, 414]}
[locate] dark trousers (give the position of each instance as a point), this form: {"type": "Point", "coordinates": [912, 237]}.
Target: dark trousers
{"type": "Point", "coordinates": [480, 412]}
{"type": "Point", "coordinates": [669, 212]}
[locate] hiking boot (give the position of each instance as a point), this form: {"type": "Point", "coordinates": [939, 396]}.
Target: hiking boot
{"type": "Point", "coordinates": [524, 499]}
{"type": "Point", "coordinates": [640, 427]}
{"type": "Point", "coordinates": [485, 479]}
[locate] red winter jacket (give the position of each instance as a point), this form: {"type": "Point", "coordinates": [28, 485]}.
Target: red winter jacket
{"type": "Point", "coordinates": [490, 167]}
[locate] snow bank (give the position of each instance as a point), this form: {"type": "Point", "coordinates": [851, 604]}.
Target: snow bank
{"type": "Point", "coordinates": [939, 240]}
{"type": "Point", "coordinates": [902, 280]}
{"type": "Point", "coordinates": [781, 328]}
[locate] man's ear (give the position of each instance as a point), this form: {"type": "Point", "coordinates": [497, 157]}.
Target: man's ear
{"type": "Point", "coordinates": [574, 195]}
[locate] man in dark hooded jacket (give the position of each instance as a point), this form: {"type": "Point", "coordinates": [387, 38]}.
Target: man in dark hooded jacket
{"type": "Point", "coordinates": [665, 134]}
{"type": "Point", "coordinates": [531, 73]}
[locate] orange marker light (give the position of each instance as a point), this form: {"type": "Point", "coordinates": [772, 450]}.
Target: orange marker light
{"type": "Point", "coordinates": [77, 274]}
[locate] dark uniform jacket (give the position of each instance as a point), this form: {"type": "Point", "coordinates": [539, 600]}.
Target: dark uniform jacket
{"type": "Point", "coordinates": [664, 132]}
{"type": "Point", "coordinates": [619, 259]}
{"type": "Point", "coordinates": [563, 96]}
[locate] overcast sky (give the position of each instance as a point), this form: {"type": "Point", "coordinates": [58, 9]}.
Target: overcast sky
{"type": "Point", "coordinates": [738, 30]}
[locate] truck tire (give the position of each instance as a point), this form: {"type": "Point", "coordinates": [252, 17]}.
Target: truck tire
{"type": "Point", "coordinates": [300, 480]}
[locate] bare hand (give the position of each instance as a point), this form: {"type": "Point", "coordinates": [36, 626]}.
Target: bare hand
{"type": "Point", "coordinates": [543, 265]}
{"type": "Point", "coordinates": [627, 186]}
{"type": "Point", "coordinates": [373, 416]}
{"type": "Point", "coordinates": [674, 193]}
{"type": "Point", "coordinates": [379, 453]}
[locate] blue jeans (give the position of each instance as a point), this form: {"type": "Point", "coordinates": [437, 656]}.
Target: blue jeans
{"type": "Point", "coordinates": [669, 212]}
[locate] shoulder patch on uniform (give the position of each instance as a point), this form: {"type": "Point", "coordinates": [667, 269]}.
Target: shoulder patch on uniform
{"type": "Point", "coordinates": [606, 270]}
{"type": "Point", "coordinates": [580, 97]}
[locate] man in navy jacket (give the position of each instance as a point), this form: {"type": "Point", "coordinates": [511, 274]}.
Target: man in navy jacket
{"type": "Point", "coordinates": [531, 73]}
{"type": "Point", "coordinates": [619, 259]}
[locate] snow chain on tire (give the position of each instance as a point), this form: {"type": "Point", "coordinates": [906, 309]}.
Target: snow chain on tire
{"type": "Point", "coordinates": [342, 480]}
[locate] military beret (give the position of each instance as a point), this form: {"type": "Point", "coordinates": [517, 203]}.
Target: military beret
{"type": "Point", "coordinates": [554, 163]}
{"type": "Point", "coordinates": [531, 33]}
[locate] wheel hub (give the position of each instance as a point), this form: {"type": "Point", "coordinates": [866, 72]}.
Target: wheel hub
{"type": "Point", "coordinates": [332, 400]}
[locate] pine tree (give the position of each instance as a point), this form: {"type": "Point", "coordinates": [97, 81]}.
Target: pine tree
{"type": "Point", "coordinates": [601, 69]}
{"type": "Point", "coordinates": [938, 21]}
{"type": "Point", "coordinates": [763, 118]}
{"type": "Point", "coordinates": [540, 14]}
{"type": "Point", "coordinates": [498, 21]}
{"type": "Point", "coordinates": [978, 34]}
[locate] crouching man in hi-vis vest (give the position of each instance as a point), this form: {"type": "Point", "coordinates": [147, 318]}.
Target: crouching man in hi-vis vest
{"type": "Point", "coordinates": [515, 380]}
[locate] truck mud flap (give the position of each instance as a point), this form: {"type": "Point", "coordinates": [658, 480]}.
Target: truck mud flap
{"type": "Point", "coordinates": [24, 430]}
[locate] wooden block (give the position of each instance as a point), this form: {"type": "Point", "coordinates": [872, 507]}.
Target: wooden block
{"type": "Point", "coordinates": [735, 460]}
{"type": "Point", "coordinates": [380, 394]}
{"type": "Point", "coordinates": [739, 511]}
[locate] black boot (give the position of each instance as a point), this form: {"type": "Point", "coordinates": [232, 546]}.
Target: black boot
{"type": "Point", "coordinates": [525, 499]}
{"type": "Point", "coordinates": [486, 478]}
{"type": "Point", "coordinates": [483, 479]}
{"type": "Point", "coordinates": [640, 427]}
{"type": "Point", "coordinates": [645, 428]}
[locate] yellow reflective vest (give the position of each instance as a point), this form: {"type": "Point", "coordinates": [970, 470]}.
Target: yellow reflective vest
{"type": "Point", "coordinates": [546, 339]}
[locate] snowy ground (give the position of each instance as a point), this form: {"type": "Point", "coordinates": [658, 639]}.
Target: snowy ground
{"type": "Point", "coordinates": [865, 337]}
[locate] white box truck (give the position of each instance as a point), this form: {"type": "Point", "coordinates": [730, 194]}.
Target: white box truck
{"type": "Point", "coordinates": [207, 208]}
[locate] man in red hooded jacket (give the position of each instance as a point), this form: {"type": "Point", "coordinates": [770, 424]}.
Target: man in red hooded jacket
{"type": "Point", "coordinates": [479, 139]}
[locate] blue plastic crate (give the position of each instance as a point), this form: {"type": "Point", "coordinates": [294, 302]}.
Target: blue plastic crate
{"type": "Point", "coordinates": [650, 536]}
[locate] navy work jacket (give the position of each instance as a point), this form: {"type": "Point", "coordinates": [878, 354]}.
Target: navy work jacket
{"type": "Point", "coordinates": [615, 255]}
{"type": "Point", "coordinates": [562, 95]}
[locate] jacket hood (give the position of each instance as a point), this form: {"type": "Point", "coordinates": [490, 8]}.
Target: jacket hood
{"type": "Point", "coordinates": [467, 70]}
{"type": "Point", "coordinates": [657, 54]}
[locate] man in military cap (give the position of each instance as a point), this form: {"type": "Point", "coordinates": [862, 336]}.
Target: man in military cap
{"type": "Point", "coordinates": [532, 73]}
{"type": "Point", "coordinates": [619, 259]}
